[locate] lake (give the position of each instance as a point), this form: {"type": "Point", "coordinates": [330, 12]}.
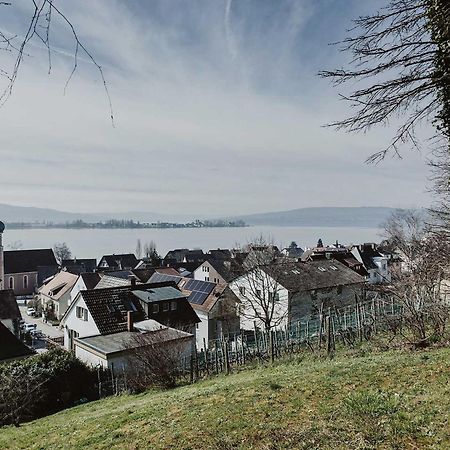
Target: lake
{"type": "Point", "coordinates": [87, 243]}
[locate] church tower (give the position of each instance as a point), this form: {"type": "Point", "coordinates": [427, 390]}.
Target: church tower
{"type": "Point", "coordinates": [2, 261]}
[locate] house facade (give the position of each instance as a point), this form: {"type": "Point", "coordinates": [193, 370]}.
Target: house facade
{"type": "Point", "coordinates": [97, 321]}
{"type": "Point", "coordinates": [55, 294]}
{"type": "Point", "coordinates": [295, 291]}
{"type": "Point", "coordinates": [21, 269]}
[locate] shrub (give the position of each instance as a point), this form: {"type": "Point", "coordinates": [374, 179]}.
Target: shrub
{"type": "Point", "coordinates": [42, 385]}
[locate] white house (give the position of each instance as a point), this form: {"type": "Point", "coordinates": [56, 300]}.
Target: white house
{"type": "Point", "coordinates": [85, 282]}
{"type": "Point", "coordinates": [288, 291]}
{"type": "Point", "coordinates": [375, 263]}
{"type": "Point", "coordinates": [213, 271]}
{"type": "Point", "coordinates": [116, 351]}
{"type": "Point", "coordinates": [98, 320]}
{"type": "Point", "coordinates": [54, 294]}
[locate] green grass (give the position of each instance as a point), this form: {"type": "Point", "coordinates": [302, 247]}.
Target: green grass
{"type": "Point", "coordinates": [381, 400]}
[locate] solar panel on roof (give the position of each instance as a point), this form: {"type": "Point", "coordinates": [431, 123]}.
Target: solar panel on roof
{"type": "Point", "coordinates": [200, 286]}
{"type": "Point", "coordinates": [159, 277]}
{"type": "Point", "coordinates": [197, 297]}
{"type": "Point", "coordinates": [200, 290]}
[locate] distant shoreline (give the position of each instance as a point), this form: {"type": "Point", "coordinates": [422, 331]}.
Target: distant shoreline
{"type": "Point", "coordinates": [123, 225]}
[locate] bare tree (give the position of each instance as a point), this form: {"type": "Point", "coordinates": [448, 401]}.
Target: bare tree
{"type": "Point", "coordinates": [38, 30]}
{"type": "Point", "coordinates": [259, 287]}
{"type": "Point", "coordinates": [62, 251]}
{"type": "Point", "coordinates": [421, 284]}
{"type": "Point", "coordinates": [151, 254]}
{"type": "Point", "coordinates": [401, 57]}
{"type": "Point", "coordinates": [157, 358]}
{"type": "Point", "coordinates": [138, 249]}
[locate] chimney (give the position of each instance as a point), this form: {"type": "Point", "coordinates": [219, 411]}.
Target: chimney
{"type": "Point", "coordinates": [130, 321]}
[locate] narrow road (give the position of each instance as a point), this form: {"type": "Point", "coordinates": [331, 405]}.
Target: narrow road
{"type": "Point", "coordinates": [46, 328]}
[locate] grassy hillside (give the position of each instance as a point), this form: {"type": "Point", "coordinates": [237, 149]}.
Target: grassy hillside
{"type": "Point", "coordinates": [390, 400]}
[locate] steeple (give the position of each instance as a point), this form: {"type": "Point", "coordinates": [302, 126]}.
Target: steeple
{"type": "Point", "coordinates": [2, 264]}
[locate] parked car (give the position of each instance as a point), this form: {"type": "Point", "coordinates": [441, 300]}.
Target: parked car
{"type": "Point", "coordinates": [26, 327]}
{"type": "Point", "coordinates": [31, 312]}
{"type": "Point", "coordinates": [37, 334]}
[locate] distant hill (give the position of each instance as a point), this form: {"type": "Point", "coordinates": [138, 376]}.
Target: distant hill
{"type": "Point", "coordinates": [27, 214]}
{"type": "Point", "coordinates": [308, 217]}
{"type": "Point", "coordinates": [322, 216]}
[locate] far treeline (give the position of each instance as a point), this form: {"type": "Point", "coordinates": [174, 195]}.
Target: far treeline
{"type": "Point", "coordinates": [111, 224]}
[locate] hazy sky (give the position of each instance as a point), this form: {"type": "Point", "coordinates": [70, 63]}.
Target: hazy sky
{"type": "Point", "coordinates": [218, 110]}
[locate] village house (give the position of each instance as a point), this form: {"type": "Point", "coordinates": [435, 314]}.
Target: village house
{"type": "Point", "coordinates": [11, 347]}
{"type": "Point", "coordinates": [22, 269]}
{"type": "Point", "coordinates": [10, 315]}
{"type": "Point", "coordinates": [375, 263]}
{"type": "Point", "coordinates": [106, 312]}
{"type": "Point", "coordinates": [293, 251]}
{"type": "Point", "coordinates": [216, 271]}
{"type": "Point", "coordinates": [85, 282]}
{"type": "Point", "coordinates": [78, 266]}
{"type": "Point", "coordinates": [215, 304]}
{"type": "Point", "coordinates": [125, 261]}
{"type": "Point", "coordinates": [341, 254]}
{"type": "Point", "coordinates": [55, 294]}
{"type": "Point", "coordinates": [299, 290]}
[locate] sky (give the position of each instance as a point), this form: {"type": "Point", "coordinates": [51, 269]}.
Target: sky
{"type": "Point", "coordinates": [217, 105]}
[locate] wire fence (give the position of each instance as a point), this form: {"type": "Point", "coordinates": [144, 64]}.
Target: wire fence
{"type": "Point", "coordinates": [346, 325]}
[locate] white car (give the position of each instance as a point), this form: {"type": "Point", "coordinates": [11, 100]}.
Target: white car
{"type": "Point", "coordinates": [31, 312]}
{"type": "Point", "coordinates": [26, 327]}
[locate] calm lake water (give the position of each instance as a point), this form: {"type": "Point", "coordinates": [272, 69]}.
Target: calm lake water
{"type": "Point", "coordinates": [95, 243]}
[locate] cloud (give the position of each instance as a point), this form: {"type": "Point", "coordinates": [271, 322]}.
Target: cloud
{"type": "Point", "coordinates": [217, 108]}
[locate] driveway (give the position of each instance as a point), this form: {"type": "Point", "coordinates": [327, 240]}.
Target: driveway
{"type": "Point", "coordinates": [46, 328]}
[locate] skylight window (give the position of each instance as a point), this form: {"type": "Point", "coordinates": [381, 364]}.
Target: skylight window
{"type": "Point", "coordinates": [296, 272]}
{"type": "Point", "coordinates": [322, 269]}
{"type": "Point", "coordinates": [333, 268]}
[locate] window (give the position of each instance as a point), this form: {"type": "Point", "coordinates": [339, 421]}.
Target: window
{"type": "Point", "coordinates": [155, 308]}
{"type": "Point", "coordinates": [25, 281]}
{"type": "Point", "coordinates": [165, 307]}
{"type": "Point", "coordinates": [173, 306]}
{"type": "Point", "coordinates": [242, 290]}
{"type": "Point", "coordinates": [81, 313]}
{"type": "Point", "coordinates": [274, 296]}
{"type": "Point", "coordinates": [206, 278]}
{"type": "Point", "coordinates": [11, 283]}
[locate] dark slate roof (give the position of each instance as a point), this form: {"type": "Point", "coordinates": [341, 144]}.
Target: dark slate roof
{"type": "Point", "coordinates": [179, 254]}
{"type": "Point", "coordinates": [158, 294]}
{"type": "Point", "coordinates": [109, 308]}
{"type": "Point", "coordinates": [10, 346]}
{"type": "Point", "coordinates": [17, 261]}
{"type": "Point", "coordinates": [79, 266]}
{"type": "Point", "coordinates": [8, 305]}
{"type": "Point", "coordinates": [125, 261]}
{"type": "Point", "coordinates": [308, 276]}
{"type": "Point", "coordinates": [220, 254]}
{"type": "Point", "coordinates": [90, 279]}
